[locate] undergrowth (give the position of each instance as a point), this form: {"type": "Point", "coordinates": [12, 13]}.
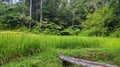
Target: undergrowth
{"type": "Point", "coordinates": [29, 50]}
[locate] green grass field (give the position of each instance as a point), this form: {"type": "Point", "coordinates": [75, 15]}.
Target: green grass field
{"type": "Point", "coordinates": [30, 50]}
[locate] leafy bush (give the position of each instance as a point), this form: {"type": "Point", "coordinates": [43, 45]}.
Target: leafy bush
{"type": "Point", "coordinates": [15, 21]}
{"type": "Point", "coordinates": [65, 33]}
{"type": "Point", "coordinates": [116, 33]}
{"type": "Point", "coordinates": [12, 18]}
{"type": "Point", "coordinates": [100, 23]}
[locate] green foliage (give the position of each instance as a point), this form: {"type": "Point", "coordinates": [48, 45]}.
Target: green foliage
{"type": "Point", "coordinates": [77, 17]}
{"type": "Point", "coordinates": [48, 28]}
{"type": "Point", "coordinates": [116, 33]}
{"type": "Point", "coordinates": [60, 17]}
{"type": "Point", "coordinates": [12, 19]}
{"type": "Point", "coordinates": [95, 18]}
{"type": "Point", "coordinates": [99, 23]}
{"type": "Point", "coordinates": [103, 21]}
{"type": "Point", "coordinates": [73, 30]}
{"type": "Point", "coordinates": [65, 33]}
{"type": "Point", "coordinates": [117, 60]}
{"type": "Point", "coordinates": [15, 21]}
{"type": "Point", "coordinates": [42, 50]}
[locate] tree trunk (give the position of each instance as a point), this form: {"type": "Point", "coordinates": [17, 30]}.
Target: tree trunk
{"type": "Point", "coordinates": [41, 11]}
{"type": "Point", "coordinates": [30, 13]}
{"type": "Point", "coordinates": [81, 62]}
{"type": "Point", "coordinates": [73, 18]}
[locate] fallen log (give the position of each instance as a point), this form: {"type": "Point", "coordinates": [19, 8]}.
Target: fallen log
{"type": "Point", "coordinates": [83, 63]}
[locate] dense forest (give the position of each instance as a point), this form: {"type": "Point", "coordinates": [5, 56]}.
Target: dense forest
{"type": "Point", "coordinates": [63, 17]}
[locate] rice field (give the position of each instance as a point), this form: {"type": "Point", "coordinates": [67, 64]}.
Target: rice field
{"type": "Point", "coordinates": [30, 50]}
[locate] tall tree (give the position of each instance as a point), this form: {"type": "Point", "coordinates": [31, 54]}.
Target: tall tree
{"type": "Point", "coordinates": [30, 13]}
{"type": "Point", "coordinates": [41, 6]}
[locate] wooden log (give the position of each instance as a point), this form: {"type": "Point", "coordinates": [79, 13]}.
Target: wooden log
{"type": "Point", "coordinates": [83, 63]}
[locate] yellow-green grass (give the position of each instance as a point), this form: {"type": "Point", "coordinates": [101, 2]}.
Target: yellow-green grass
{"type": "Point", "coordinates": [30, 50]}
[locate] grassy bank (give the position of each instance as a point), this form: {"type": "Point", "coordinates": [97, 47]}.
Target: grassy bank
{"type": "Point", "coordinates": [29, 50]}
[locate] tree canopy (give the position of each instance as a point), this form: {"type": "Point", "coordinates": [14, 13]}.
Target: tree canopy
{"type": "Point", "coordinates": [84, 17]}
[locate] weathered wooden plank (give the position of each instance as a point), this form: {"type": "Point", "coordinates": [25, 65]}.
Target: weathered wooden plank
{"type": "Point", "coordinates": [84, 63]}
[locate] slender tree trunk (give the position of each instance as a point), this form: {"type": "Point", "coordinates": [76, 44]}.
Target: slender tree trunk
{"type": "Point", "coordinates": [30, 9]}
{"type": "Point", "coordinates": [73, 17]}
{"type": "Point", "coordinates": [30, 13]}
{"type": "Point", "coordinates": [41, 11]}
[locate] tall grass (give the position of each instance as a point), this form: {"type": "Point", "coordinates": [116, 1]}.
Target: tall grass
{"type": "Point", "coordinates": [14, 46]}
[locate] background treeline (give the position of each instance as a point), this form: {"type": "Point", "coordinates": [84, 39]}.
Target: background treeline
{"type": "Point", "coordinates": [63, 17]}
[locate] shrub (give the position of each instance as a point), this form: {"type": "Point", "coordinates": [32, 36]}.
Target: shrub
{"type": "Point", "coordinates": [65, 33]}
{"type": "Point", "coordinates": [116, 33]}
